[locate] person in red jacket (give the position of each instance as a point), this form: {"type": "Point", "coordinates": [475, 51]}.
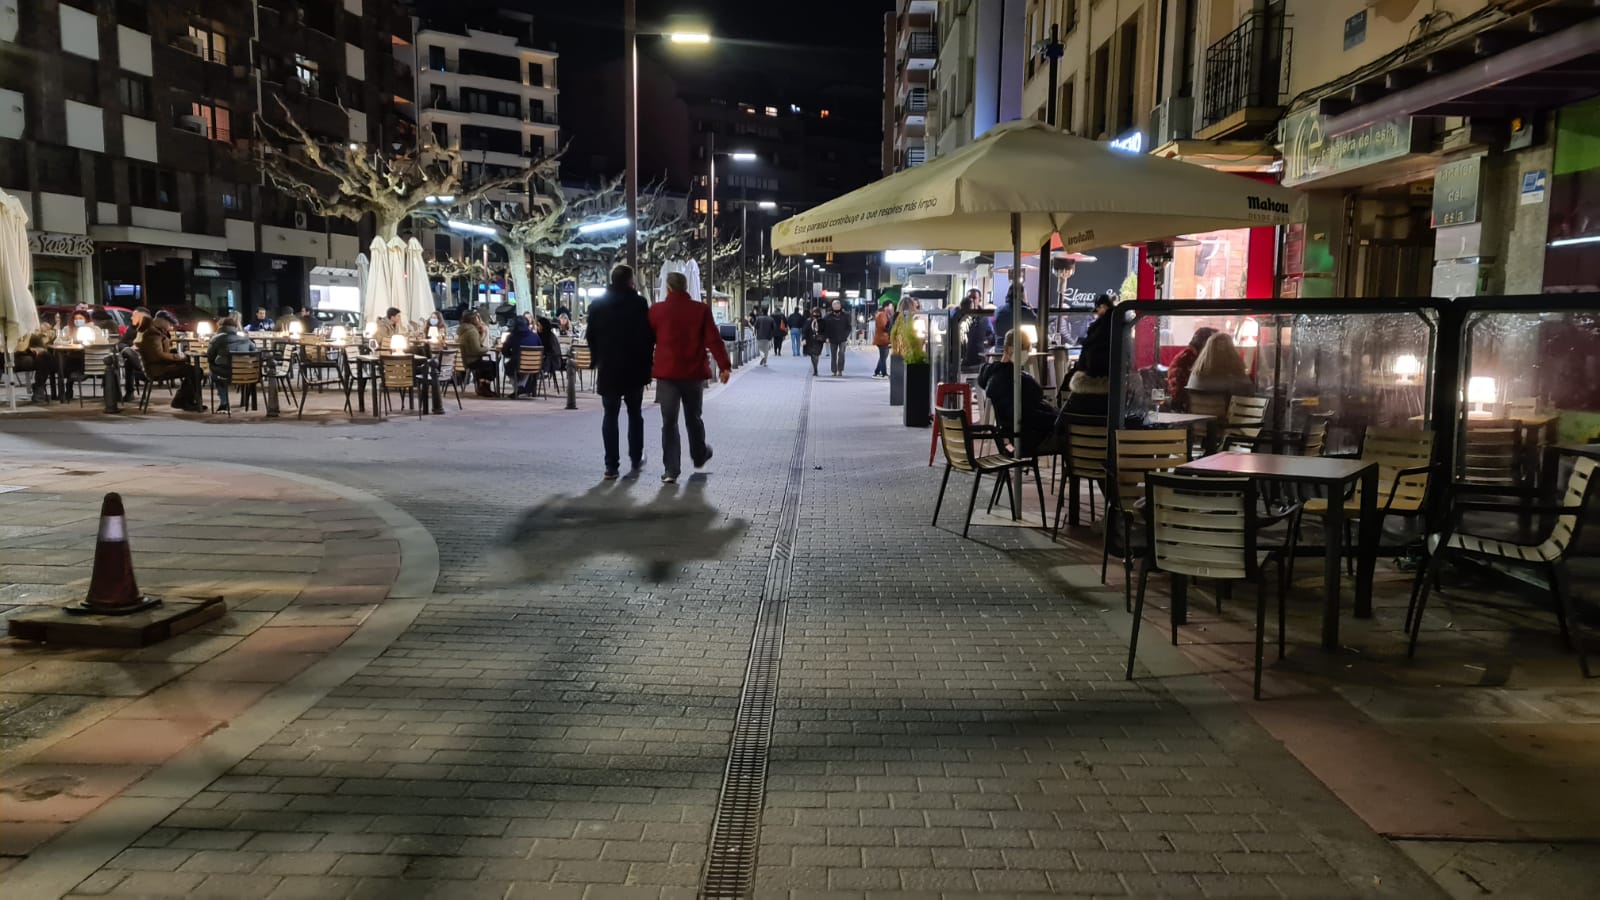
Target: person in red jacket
{"type": "Point", "coordinates": [685, 332]}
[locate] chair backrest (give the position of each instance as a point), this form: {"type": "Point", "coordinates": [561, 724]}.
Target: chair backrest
{"type": "Point", "coordinates": [953, 437]}
{"type": "Point", "coordinates": [244, 368]}
{"type": "Point", "coordinates": [316, 353]}
{"type": "Point", "coordinates": [1208, 403]}
{"type": "Point", "coordinates": [398, 372]}
{"type": "Point", "coordinates": [1492, 452]}
{"type": "Point", "coordinates": [1141, 451]}
{"type": "Point", "coordinates": [530, 361]}
{"type": "Point", "coordinates": [1522, 408]}
{"type": "Point", "coordinates": [1246, 412]}
{"type": "Point", "coordinates": [581, 357]}
{"type": "Point", "coordinates": [1203, 527]}
{"type": "Point", "coordinates": [1087, 440]}
{"type": "Point", "coordinates": [1394, 449]}
{"type": "Point", "coordinates": [1315, 438]}
{"type": "Point", "coordinates": [94, 360]}
{"type": "Point", "coordinates": [449, 361]}
{"type": "Point", "coordinates": [1580, 487]}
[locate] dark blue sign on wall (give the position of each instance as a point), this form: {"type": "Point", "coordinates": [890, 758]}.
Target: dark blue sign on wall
{"type": "Point", "coordinates": [1355, 30]}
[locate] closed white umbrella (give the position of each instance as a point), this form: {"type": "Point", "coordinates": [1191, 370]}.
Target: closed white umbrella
{"type": "Point", "coordinates": [395, 251]}
{"type": "Point", "coordinates": [376, 298]}
{"type": "Point", "coordinates": [363, 267]}
{"type": "Point", "coordinates": [1090, 194]}
{"type": "Point", "coordinates": [18, 314]}
{"type": "Point", "coordinates": [416, 291]}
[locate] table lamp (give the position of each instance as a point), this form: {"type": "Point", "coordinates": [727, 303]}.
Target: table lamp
{"type": "Point", "coordinates": [337, 334]}
{"type": "Point", "coordinates": [433, 334]}
{"type": "Point", "coordinates": [371, 329]}
{"type": "Point", "coordinates": [1406, 368]}
{"type": "Point", "coordinates": [1249, 334]}
{"type": "Point", "coordinates": [397, 344]}
{"type": "Point", "coordinates": [295, 330]}
{"type": "Point", "coordinates": [85, 335]}
{"type": "Point", "coordinates": [203, 328]}
{"type": "Point", "coordinates": [1481, 390]}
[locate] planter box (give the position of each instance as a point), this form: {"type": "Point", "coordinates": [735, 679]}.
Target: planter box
{"type": "Point", "coordinates": [897, 381]}
{"type": "Point", "coordinates": [919, 395]}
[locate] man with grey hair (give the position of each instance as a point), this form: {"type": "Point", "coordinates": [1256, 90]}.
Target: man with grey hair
{"type": "Point", "coordinates": [685, 331]}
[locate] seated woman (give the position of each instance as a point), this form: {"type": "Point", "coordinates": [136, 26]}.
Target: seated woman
{"type": "Point", "coordinates": [550, 340]}
{"type": "Point", "coordinates": [1038, 416]}
{"type": "Point", "coordinates": [519, 335]}
{"type": "Point", "coordinates": [1220, 369]}
{"type": "Point", "coordinates": [1089, 384]}
{"type": "Point", "coordinates": [472, 337]}
{"type": "Point", "coordinates": [219, 353]}
{"type": "Point", "coordinates": [34, 355]}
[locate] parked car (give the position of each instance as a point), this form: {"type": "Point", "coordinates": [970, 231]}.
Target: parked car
{"type": "Point", "coordinates": [110, 319]}
{"type": "Point", "coordinates": [187, 315]}
{"type": "Point", "coordinates": [328, 317]}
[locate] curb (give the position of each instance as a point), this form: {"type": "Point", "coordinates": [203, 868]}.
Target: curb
{"type": "Point", "coordinates": [58, 865]}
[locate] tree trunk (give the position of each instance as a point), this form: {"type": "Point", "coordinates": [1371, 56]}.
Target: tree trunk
{"type": "Point", "coordinates": [387, 228]}
{"type": "Point", "coordinates": [517, 261]}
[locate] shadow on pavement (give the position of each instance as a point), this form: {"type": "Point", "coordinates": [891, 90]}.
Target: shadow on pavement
{"type": "Point", "coordinates": [676, 526]}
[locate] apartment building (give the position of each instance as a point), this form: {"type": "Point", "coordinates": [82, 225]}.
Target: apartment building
{"type": "Point", "coordinates": [126, 127]}
{"type": "Point", "coordinates": [486, 87]}
{"type": "Point", "coordinates": [911, 48]}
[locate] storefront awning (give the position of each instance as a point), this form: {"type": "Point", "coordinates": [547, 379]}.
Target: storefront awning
{"type": "Point", "coordinates": [1544, 72]}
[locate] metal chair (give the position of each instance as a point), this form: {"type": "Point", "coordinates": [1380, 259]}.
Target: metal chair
{"type": "Point", "coordinates": [1548, 552]}
{"type": "Point", "coordinates": [397, 375]}
{"type": "Point", "coordinates": [95, 359]}
{"type": "Point", "coordinates": [1209, 528]}
{"type": "Point", "coordinates": [530, 365]}
{"type": "Point", "coordinates": [1138, 452]}
{"type": "Point", "coordinates": [441, 369]}
{"type": "Point", "coordinates": [956, 440]}
{"type": "Point", "coordinates": [245, 374]}
{"type": "Point", "coordinates": [1405, 463]}
{"type": "Point", "coordinates": [1491, 454]}
{"type": "Point", "coordinates": [1215, 405]}
{"type": "Point", "coordinates": [581, 361]}
{"type": "Point", "coordinates": [1245, 416]}
{"type": "Point", "coordinates": [1085, 439]}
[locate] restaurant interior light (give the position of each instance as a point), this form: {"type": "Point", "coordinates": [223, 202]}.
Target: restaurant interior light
{"type": "Point", "coordinates": [471, 228]}
{"type": "Point", "coordinates": [1481, 390]}
{"type": "Point", "coordinates": [902, 257]}
{"type": "Point", "coordinates": [371, 329]}
{"type": "Point", "coordinates": [296, 329]}
{"type": "Point", "coordinates": [202, 328]}
{"type": "Point", "coordinates": [742, 156]}
{"type": "Point", "coordinates": [397, 344]}
{"type": "Point", "coordinates": [1407, 367]}
{"type": "Point", "coordinates": [689, 37]}
{"type": "Point", "coordinates": [1572, 242]}
{"type": "Point", "coordinates": [603, 225]}
{"type": "Point", "coordinates": [1249, 333]}
{"type": "Point", "coordinates": [1032, 332]}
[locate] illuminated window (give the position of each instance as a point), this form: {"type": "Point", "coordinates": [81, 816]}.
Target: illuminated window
{"type": "Point", "coordinates": [217, 119]}
{"type": "Point", "coordinates": [823, 114]}
{"type": "Point", "coordinates": [772, 111]}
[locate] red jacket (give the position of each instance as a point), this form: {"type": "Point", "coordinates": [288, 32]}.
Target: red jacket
{"type": "Point", "coordinates": [685, 332]}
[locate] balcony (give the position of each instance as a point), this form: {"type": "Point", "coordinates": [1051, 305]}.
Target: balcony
{"type": "Point", "coordinates": [918, 50]}
{"type": "Point", "coordinates": [1246, 75]}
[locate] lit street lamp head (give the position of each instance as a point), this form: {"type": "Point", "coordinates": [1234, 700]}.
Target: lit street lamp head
{"type": "Point", "coordinates": [742, 156]}
{"type": "Point", "coordinates": [689, 37]}
{"type": "Point", "coordinates": [767, 204]}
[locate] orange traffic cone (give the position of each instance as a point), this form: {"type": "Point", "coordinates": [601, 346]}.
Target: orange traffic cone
{"type": "Point", "coordinates": [112, 588]}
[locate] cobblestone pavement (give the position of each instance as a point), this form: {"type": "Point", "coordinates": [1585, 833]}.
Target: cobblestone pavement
{"type": "Point", "coordinates": [950, 715]}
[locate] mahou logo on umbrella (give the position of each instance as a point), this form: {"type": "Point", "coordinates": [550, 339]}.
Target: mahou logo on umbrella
{"type": "Point", "coordinates": [1267, 204]}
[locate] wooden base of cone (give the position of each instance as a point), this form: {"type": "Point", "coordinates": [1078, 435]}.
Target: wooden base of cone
{"type": "Point", "coordinates": [140, 629]}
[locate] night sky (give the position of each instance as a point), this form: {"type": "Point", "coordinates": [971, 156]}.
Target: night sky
{"type": "Point", "coordinates": [812, 51]}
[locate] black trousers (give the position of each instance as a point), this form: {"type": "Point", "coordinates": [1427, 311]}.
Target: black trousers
{"type": "Point", "coordinates": [612, 405]}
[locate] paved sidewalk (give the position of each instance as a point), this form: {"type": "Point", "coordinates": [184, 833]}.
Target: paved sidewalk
{"type": "Point", "coordinates": [301, 569]}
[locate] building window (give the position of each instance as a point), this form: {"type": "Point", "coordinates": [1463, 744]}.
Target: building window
{"type": "Point", "coordinates": [217, 119]}
{"type": "Point", "coordinates": [105, 181]}
{"type": "Point", "coordinates": [1127, 75]}
{"type": "Point", "coordinates": [135, 93]}
{"type": "Point", "coordinates": [536, 111]}
{"type": "Point", "coordinates": [490, 103]}
{"type": "Point", "coordinates": [236, 200]}
{"type": "Point", "coordinates": [152, 187]}
{"type": "Point", "coordinates": [1099, 87]}
{"type": "Point", "coordinates": [306, 72]}
{"type": "Point", "coordinates": [536, 146]}
{"type": "Point", "coordinates": [536, 74]}
{"type": "Point", "coordinates": [436, 59]}
{"type": "Point", "coordinates": [441, 247]}
{"type": "Point", "coordinates": [57, 169]}
{"type": "Point", "coordinates": [211, 45]}
{"type": "Point", "coordinates": [441, 134]}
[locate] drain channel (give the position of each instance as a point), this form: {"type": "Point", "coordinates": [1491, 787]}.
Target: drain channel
{"type": "Point", "coordinates": [736, 832]}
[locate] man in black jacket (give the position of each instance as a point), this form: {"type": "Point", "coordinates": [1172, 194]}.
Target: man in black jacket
{"type": "Point", "coordinates": [836, 328]}
{"type": "Point", "coordinates": [797, 329]}
{"type": "Point", "coordinates": [623, 348]}
{"type": "Point", "coordinates": [766, 330]}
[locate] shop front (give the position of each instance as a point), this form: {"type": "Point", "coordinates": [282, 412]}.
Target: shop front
{"type": "Point", "coordinates": [62, 268]}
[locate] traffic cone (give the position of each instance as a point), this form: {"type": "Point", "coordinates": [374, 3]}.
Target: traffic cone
{"type": "Point", "coordinates": [112, 588]}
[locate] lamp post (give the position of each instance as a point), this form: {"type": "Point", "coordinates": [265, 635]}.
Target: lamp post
{"type": "Point", "coordinates": [711, 209]}
{"type": "Point", "coordinates": [630, 39]}
{"type": "Point", "coordinates": [1052, 51]}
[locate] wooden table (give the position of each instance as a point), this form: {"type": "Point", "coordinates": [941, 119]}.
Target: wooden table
{"type": "Point", "coordinates": [1333, 474]}
{"type": "Point", "coordinates": [1175, 419]}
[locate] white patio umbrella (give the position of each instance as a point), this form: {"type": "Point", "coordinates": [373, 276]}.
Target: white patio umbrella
{"type": "Point", "coordinates": [416, 293]}
{"type": "Point", "coordinates": [1023, 182]}
{"type": "Point", "coordinates": [379, 293]}
{"type": "Point", "coordinates": [18, 314]}
{"type": "Point", "coordinates": [691, 271]}
{"type": "Point", "coordinates": [363, 268]}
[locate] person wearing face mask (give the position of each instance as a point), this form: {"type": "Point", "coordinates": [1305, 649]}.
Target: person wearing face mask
{"type": "Point", "coordinates": [836, 327]}
{"type": "Point", "coordinates": [436, 320]}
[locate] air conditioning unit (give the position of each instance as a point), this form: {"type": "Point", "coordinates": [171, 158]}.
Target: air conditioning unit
{"type": "Point", "coordinates": [193, 124]}
{"type": "Point", "coordinates": [300, 219]}
{"type": "Point", "coordinates": [1172, 120]}
{"type": "Point", "coordinates": [187, 42]}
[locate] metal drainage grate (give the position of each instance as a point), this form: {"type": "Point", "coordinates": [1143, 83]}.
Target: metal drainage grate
{"type": "Point", "coordinates": [736, 832]}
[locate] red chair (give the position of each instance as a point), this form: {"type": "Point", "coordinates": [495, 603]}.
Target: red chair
{"type": "Point", "coordinates": [941, 397]}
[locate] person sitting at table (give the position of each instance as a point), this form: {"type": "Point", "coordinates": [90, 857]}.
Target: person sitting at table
{"type": "Point", "coordinates": [388, 326]}
{"type": "Point", "coordinates": [286, 317]}
{"type": "Point", "coordinates": [34, 355]}
{"type": "Point", "coordinates": [1182, 365]}
{"type": "Point", "coordinates": [1220, 369]}
{"type": "Point", "coordinates": [162, 361]}
{"type": "Point", "coordinates": [262, 321]}
{"type": "Point", "coordinates": [1089, 383]}
{"type": "Point", "coordinates": [997, 382]}
{"type": "Point", "coordinates": [127, 350]}
{"type": "Point", "coordinates": [227, 341]}
{"type": "Point", "coordinates": [519, 335]}
{"type": "Point", "coordinates": [472, 338]}
{"type": "Point", "coordinates": [550, 340]}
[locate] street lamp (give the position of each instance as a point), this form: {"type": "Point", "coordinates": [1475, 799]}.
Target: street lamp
{"type": "Point", "coordinates": [630, 39]}
{"type": "Point", "coordinates": [711, 209]}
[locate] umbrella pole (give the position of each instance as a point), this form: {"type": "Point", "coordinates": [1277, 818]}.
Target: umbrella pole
{"type": "Point", "coordinates": [1019, 363]}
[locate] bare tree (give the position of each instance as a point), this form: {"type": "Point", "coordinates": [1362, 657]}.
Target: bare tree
{"type": "Point", "coordinates": [550, 240]}
{"type": "Point", "coordinates": [347, 181]}
{"type": "Point", "coordinates": [770, 271]}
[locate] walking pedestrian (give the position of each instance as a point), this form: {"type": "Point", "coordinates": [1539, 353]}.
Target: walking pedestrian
{"type": "Point", "coordinates": [766, 330]}
{"type": "Point", "coordinates": [778, 332]}
{"type": "Point", "coordinates": [815, 338]}
{"type": "Point", "coordinates": [622, 346]}
{"type": "Point", "coordinates": [836, 328]}
{"type": "Point", "coordinates": [881, 324]}
{"type": "Point", "coordinates": [685, 331]}
{"type": "Point", "coordinates": [797, 330]}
